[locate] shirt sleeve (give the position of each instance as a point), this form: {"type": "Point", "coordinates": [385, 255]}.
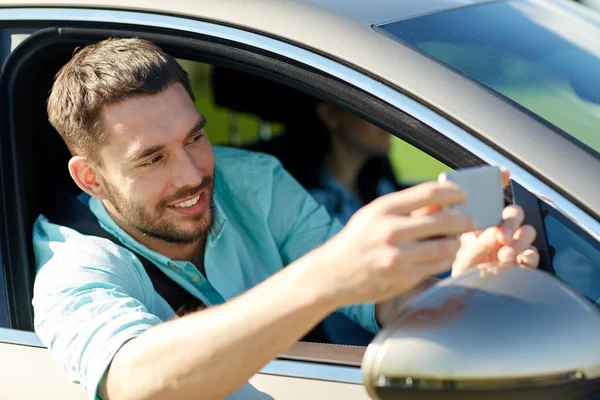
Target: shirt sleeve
{"type": "Point", "coordinates": [89, 299]}
{"type": "Point", "coordinates": [299, 224]}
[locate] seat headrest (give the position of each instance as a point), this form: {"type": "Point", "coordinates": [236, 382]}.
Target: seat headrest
{"type": "Point", "coordinates": [253, 94]}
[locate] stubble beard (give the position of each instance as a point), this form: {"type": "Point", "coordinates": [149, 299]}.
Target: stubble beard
{"type": "Point", "coordinates": [155, 224]}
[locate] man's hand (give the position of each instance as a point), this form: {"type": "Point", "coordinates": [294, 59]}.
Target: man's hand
{"type": "Point", "coordinates": [509, 243]}
{"type": "Point", "coordinates": [384, 251]}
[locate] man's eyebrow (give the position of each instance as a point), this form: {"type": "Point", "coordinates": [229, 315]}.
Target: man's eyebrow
{"type": "Point", "coordinates": [148, 151]}
{"type": "Point", "coordinates": [198, 126]}
{"type": "Point", "coordinates": [143, 153]}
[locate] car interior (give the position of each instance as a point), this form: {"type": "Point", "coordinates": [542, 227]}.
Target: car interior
{"type": "Point", "coordinates": [245, 106]}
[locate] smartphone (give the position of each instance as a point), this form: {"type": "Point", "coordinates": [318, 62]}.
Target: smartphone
{"type": "Point", "coordinates": [485, 194]}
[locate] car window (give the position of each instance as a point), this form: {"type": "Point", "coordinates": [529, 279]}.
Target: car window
{"type": "Point", "coordinates": [413, 165]}
{"type": "Point", "coordinates": [224, 126]}
{"type": "Point", "coordinates": [576, 256]}
{"type": "Point", "coordinates": [555, 73]}
{"type": "Point", "coordinates": [234, 128]}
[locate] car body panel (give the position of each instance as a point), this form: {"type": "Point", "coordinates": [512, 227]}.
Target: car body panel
{"type": "Point", "coordinates": [33, 373]}
{"type": "Point", "coordinates": [392, 10]}
{"type": "Point", "coordinates": [357, 44]}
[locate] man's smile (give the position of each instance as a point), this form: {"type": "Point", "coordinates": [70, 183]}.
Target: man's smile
{"type": "Point", "coordinates": [192, 206]}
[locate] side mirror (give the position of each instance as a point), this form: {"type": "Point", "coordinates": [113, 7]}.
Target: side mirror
{"type": "Point", "coordinates": [497, 332]}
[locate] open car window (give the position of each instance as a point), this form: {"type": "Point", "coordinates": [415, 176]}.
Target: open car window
{"type": "Point", "coordinates": [232, 127]}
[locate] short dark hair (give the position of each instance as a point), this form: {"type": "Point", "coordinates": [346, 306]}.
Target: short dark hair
{"type": "Point", "coordinates": [104, 73]}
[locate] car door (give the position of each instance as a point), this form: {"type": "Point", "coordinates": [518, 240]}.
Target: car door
{"type": "Point", "coordinates": [33, 373]}
{"type": "Point", "coordinates": [303, 375]}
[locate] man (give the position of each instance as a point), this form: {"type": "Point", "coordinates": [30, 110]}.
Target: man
{"type": "Point", "coordinates": [222, 224]}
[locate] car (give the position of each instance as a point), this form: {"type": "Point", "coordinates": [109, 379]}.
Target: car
{"type": "Point", "coordinates": [458, 83]}
{"type": "Point", "coordinates": [595, 4]}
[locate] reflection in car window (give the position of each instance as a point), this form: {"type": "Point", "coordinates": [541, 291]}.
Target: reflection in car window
{"type": "Point", "coordinates": [576, 258]}
{"type": "Point", "coordinates": [533, 54]}
{"type": "Point", "coordinates": [4, 317]}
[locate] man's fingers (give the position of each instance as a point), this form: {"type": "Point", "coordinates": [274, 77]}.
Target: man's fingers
{"type": "Point", "coordinates": [512, 218]}
{"type": "Point", "coordinates": [529, 258]}
{"type": "Point", "coordinates": [426, 210]}
{"type": "Point", "coordinates": [445, 223]}
{"type": "Point", "coordinates": [432, 250]}
{"type": "Point", "coordinates": [424, 195]}
{"type": "Point", "coordinates": [476, 251]}
{"type": "Point", "coordinates": [521, 242]}
{"type": "Point", "coordinates": [505, 176]}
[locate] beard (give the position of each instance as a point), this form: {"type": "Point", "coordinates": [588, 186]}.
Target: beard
{"type": "Point", "coordinates": [155, 223]}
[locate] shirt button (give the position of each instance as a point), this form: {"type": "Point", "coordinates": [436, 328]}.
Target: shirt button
{"type": "Point", "coordinates": [172, 265]}
{"type": "Point", "coordinates": [195, 279]}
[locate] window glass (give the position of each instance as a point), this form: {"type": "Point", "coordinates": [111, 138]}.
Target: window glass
{"type": "Point", "coordinates": [576, 259]}
{"type": "Point", "coordinates": [412, 165]}
{"type": "Point", "coordinates": [539, 55]}
{"type": "Point", "coordinates": [224, 127]}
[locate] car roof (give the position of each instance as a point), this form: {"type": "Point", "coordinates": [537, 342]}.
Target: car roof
{"type": "Point", "coordinates": [373, 12]}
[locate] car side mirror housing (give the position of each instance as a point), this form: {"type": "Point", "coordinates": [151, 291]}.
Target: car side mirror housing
{"type": "Point", "coordinates": [495, 332]}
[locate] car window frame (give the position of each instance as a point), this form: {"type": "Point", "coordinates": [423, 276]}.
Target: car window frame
{"type": "Point", "coordinates": [6, 47]}
{"type": "Point", "coordinates": [442, 134]}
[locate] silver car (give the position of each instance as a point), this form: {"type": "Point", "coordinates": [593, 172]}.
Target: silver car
{"type": "Point", "coordinates": [467, 82]}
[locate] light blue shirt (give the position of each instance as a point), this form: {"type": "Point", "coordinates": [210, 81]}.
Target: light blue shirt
{"type": "Point", "coordinates": [92, 295]}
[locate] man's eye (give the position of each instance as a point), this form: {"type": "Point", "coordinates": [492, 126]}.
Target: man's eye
{"type": "Point", "coordinates": [195, 139]}
{"type": "Point", "coordinates": [153, 160]}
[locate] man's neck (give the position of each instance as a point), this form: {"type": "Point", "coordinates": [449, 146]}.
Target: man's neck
{"type": "Point", "coordinates": [344, 164]}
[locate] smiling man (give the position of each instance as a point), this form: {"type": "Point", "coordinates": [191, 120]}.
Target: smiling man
{"type": "Point", "coordinates": [222, 224]}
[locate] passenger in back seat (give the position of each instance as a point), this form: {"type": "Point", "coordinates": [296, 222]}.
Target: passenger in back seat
{"type": "Point", "coordinates": [348, 168]}
{"type": "Point", "coordinates": [353, 146]}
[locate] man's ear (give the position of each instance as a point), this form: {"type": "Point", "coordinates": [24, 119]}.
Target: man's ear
{"type": "Point", "coordinates": [329, 115]}
{"type": "Point", "coordinates": [85, 176]}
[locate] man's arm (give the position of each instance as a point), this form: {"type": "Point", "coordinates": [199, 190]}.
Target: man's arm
{"type": "Point", "coordinates": [211, 353]}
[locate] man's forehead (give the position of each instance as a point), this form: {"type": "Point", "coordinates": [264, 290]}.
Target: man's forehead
{"type": "Point", "coordinates": [149, 120]}
{"type": "Point", "coordinates": [164, 108]}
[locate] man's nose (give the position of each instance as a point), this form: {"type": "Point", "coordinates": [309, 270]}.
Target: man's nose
{"type": "Point", "coordinates": [186, 173]}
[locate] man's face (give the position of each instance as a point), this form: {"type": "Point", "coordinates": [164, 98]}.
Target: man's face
{"type": "Point", "coordinates": [158, 166]}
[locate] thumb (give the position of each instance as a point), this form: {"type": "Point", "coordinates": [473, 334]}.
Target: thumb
{"type": "Point", "coordinates": [476, 251]}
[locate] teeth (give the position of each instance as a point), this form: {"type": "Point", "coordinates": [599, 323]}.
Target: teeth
{"type": "Point", "coordinates": [188, 203]}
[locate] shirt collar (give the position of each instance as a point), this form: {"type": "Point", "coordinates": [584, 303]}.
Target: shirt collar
{"type": "Point", "coordinates": [219, 223]}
